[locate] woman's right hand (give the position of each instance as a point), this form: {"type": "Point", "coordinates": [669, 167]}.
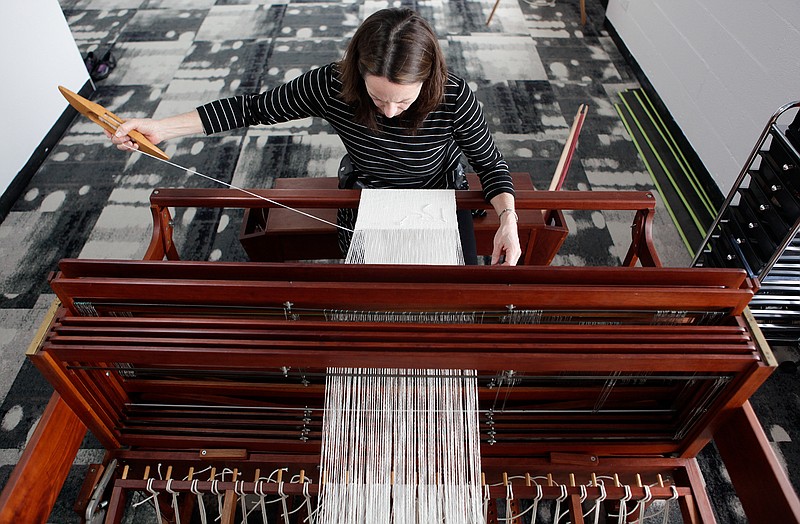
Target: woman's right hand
{"type": "Point", "coordinates": [156, 131]}
{"type": "Point", "coordinates": [151, 129]}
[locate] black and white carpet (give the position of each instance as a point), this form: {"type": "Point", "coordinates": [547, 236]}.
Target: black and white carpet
{"type": "Point", "coordinates": [530, 69]}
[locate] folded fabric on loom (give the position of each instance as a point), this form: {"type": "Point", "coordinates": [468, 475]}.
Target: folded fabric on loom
{"type": "Point", "coordinates": [406, 226]}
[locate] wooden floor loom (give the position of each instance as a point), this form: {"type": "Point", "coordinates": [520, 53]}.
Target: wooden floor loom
{"type": "Point", "coordinates": [204, 378]}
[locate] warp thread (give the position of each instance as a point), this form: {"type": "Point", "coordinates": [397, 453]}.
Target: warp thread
{"type": "Point", "coordinates": [400, 446]}
{"type": "Point", "coordinates": [406, 226]}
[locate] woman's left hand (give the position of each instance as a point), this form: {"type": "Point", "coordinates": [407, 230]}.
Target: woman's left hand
{"type": "Point", "coordinates": [506, 241]}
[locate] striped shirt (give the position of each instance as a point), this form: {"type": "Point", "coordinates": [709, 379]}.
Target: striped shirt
{"type": "Point", "coordinates": [391, 157]}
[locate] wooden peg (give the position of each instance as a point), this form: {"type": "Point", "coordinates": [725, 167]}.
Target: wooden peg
{"type": "Point", "coordinates": [257, 475]}
{"type": "Point", "coordinates": [280, 476]}
{"type": "Point", "coordinates": [528, 479]}
{"type": "Point", "coordinates": [572, 480]}
{"type": "Point", "coordinates": [594, 480]}
{"type": "Point", "coordinates": [302, 476]}
{"type": "Point", "coordinates": [569, 149]}
{"type": "Point", "coordinates": [505, 479]}
{"type": "Point", "coordinates": [125, 472]}
{"type": "Point", "coordinates": [660, 480]}
{"type": "Point", "coordinates": [638, 480]}
{"type": "Point", "coordinates": [483, 478]}
{"type": "Point", "coordinates": [616, 481]}
{"type": "Point", "coordinates": [169, 472]}
{"type": "Point", "coordinates": [191, 473]}
{"type": "Point", "coordinates": [146, 472]}
{"type": "Point", "coordinates": [213, 474]}
{"type": "Point", "coordinates": [550, 479]}
{"type": "Point", "coordinates": [108, 121]}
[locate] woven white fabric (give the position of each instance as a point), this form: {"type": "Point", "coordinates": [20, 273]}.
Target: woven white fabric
{"type": "Point", "coordinates": [406, 226]}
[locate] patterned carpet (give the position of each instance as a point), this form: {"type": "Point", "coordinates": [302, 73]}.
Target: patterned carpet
{"type": "Point", "coordinates": [530, 69]}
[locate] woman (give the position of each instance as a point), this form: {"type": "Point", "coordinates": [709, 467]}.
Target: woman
{"type": "Point", "coordinates": [403, 119]}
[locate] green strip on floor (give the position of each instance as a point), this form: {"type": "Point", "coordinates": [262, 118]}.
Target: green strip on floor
{"type": "Point", "coordinates": [682, 192]}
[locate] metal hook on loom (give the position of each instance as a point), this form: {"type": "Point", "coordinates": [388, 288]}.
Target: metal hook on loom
{"type": "Point", "coordinates": [110, 122]}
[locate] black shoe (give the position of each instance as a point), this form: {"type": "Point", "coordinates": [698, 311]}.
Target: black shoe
{"type": "Point", "coordinates": [110, 59]}
{"type": "Point", "coordinates": [104, 66]}
{"type": "Point", "coordinates": [90, 62]}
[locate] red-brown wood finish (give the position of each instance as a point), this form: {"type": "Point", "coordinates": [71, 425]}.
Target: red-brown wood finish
{"type": "Point", "coordinates": [34, 485]}
{"type": "Point", "coordinates": [176, 358]}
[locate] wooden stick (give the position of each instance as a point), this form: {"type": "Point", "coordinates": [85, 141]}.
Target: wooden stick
{"type": "Point", "coordinates": [489, 20]}
{"type": "Point", "coordinates": [108, 121]}
{"type": "Point", "coordinates": [569, 149]}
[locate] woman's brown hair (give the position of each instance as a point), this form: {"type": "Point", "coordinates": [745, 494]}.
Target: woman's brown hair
{"type": "Point", "coordinates": [399, 45]}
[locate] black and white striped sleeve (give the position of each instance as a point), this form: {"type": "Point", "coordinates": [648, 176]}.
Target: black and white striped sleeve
{"type": "Point", "coordinates": [473, 137]}
{"type": "Point", "coordinates": [305, 96]}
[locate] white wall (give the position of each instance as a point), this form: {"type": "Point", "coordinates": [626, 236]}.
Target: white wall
{"type": "Point", "coordinates": [38, 54]}
{"type": "Point", "coordinates": [722, 67]}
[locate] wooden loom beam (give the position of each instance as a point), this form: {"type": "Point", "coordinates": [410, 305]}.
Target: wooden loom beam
{"type": "Point", "coordinates": [319, 194]}
{"type": "Point", "coordinates": [765, 495]}
{"type": "Point", "coordinates": [87, 348]}
{"type": "Point", "coordinates": [35, 483]}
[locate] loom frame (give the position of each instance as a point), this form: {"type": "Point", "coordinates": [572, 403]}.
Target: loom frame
{"type": "Point", "coordinates": [72, 407]}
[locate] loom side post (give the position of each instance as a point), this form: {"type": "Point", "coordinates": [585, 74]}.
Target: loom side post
{"type": "Point", "coordinates": [695, 508]}
{"type": "Point", "coordinates": [116, 506]}
{"type": "Point", "coordinates": [642, 247]}
{"type": "Point", "coordinates": [44, 465]}
{"type": "Point", "coordinates": [760, 482]}
{"type": "Point", "coordinates": [161, 242]}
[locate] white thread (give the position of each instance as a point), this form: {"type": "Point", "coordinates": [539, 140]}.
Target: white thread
{"type": "Point", "coordinates": [231, 186]}
{"type": "Point", "coordinates": [599, 500]}
{"type": "Point", "coordinates": [623, 509]}
{"type": "Point", "coordinates": [648, 496]}
{"type": "Point", "coordinates": [155, 497]}
{"type": "Point", "coordinates": [283, 498]}
{"type": "Point", "coordinates": [307, 496]}
{"type": "Point", "coordinates": [220, 497]}
{"type": "Point", "coordinates": [559, 500]}
{"type": "Point", "coordinates": [406, 226]}
{"type": "Point", "coordinates": [509, 499]}
{"type": "Point", "coordinates": [486, 498]}
{"type": "Point", "coordinates": [536, 499]}
{"type": "Point", "coordinates": [666, 503]}
{"type": "Point", "coordinates": [200, 503]}
{"type": "Point", "coordinates": [175, 507]}
{"type": "Point", "coordinates": [238, 488]}
{"type": "Point", "coordinates": [262, 496]}
{"type": "Point", "coordinates": [400, 446]}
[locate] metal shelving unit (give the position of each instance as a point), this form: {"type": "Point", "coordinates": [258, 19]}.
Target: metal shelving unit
{"type": "Point", "coordinates": [757, 228]}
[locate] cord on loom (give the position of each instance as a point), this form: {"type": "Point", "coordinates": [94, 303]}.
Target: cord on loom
{"type": "Point", "coordinates": [245, 191]}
